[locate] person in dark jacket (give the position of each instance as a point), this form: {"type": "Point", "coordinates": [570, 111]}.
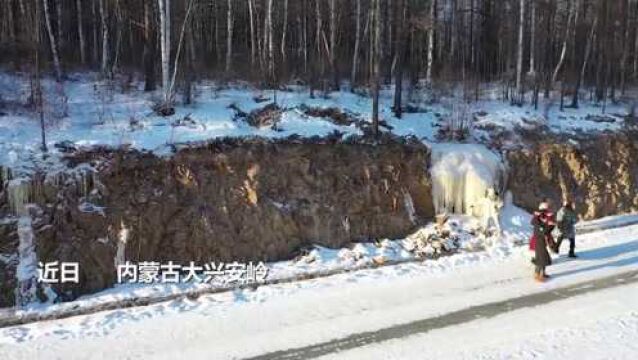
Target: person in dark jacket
{"type": "Point", "coordinates": [566, 219]}
{"type": "Point", "coordinates": [542, 223]}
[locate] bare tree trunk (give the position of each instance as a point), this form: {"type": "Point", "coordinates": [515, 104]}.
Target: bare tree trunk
{"type": "Point", "coordinates": [10, 21]}
{"type": "Point", "coordinates": [357, 42]}
{"type": "Point", "coordinates": [590, 41]}
{"type": "Point", "coordinates": [625, 47]}
{"type": "Point", "coordinates": [94, 14]}
{"type": "Point", "coordinates": [26, 18]}
{"type": "Point", "coordinates": [472, 52]}
{"type": "Point", "coordinates": [377, 66]}
{"type": "Point", "coordinates": [148, 53]}
{"type": "Point", "coordinates": [165, 47]}
{"type": "Point", "coordinates": [58, 18]}
{"type": "Point", "coordinates": [217, 10]}
{"type": "Point", "coordinates": [305, 36]}
{"type": "Point", "coordinates": [38, 87]}
{"type": "Point", "coordinates": [268, 41]}
{"type": "Point", "coordinates": [319, 30]}
{"type": "Point", "coordinates": [118, 37]}
{"type": "Point", "coordinates": [572, 10]}
{"type": "Point", "coordinates": [81, 32]}
{"type": "Point", "coordinates": [229, 37]}
{"type": "Point", "coordinates": [636, 46]}
{"type": "Point", "coordinates": [54, 48]}
{"type": "Point", "coordinates": [519, 61]}
{"type": "Point", "coordinates": [401, 44]}
{"type": "Point", "coordinates": [179, 50]}
{"type": "Point", "coordinates": [532, 40]}
{"type": "Point", "coordinates": [105, 41]}
{"type": "Point", "coordinates": [252, 31]}
{"type": "Point", "coordinates": [333, 44]}
{"type": "Point", "coordinates": [428, 76]}
{"type": "Point", "coordinates": [284, 31]}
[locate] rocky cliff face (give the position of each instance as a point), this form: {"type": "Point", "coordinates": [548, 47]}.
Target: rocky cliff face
{"type": "Point", "coordinates": [600, 174]}
{"type": "Point", "coordinates": [227, 201]}
{"type": "Point", "coordinates": [8, 262]}
{"type": "Point", "coordinates": [254, 200]}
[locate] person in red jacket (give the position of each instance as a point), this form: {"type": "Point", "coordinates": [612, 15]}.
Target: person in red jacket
{"type": "Point", "coordinates": [543, 222]}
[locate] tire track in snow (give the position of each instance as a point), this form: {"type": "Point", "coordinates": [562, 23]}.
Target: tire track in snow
{"type": "Point", "coordinates": [484, 311]}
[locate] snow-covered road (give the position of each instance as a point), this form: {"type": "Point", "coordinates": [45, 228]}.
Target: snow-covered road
{"type": "Point", "coordinates": [598, 325]}
{"type": "Point", "coordinates": [250, 323]}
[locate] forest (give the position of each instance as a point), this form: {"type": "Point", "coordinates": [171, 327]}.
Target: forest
{"type": "Point", "coordinates": [530, 46]}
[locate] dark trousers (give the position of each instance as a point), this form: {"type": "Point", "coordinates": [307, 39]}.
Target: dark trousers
{"type": "Point", "coordinates": [572, 244]}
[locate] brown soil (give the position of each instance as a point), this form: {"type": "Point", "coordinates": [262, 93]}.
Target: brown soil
{"type": "Point", "coordinates": [234, 201]}
{"type": "Point", "coordinates": [335, 115]}
{"type": "Point", "coordinates": [8, 249]}
{"type": "Point", "coordinates": [267, 116]}
{"type": "Point", "coordinates": [601, 174]}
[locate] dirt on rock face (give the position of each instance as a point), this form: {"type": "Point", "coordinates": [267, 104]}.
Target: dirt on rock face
{"type": "Point", "coordinates": [8, 262]}
{"type": "Point", "coordinates": [601, 175]}
{"type": "Point", "coordinates": [242, 201]}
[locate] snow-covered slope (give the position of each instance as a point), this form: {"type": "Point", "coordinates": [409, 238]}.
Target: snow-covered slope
{"type": "Point", "coordinates": [84, 111]}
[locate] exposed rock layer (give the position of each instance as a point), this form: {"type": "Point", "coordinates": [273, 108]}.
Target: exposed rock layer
{"type": "Point", "coordinates": [600, 174]}
{"type": "Point", "coordinates": [228, 201]}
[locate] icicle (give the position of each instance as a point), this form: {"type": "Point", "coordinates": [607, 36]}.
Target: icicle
{"type": "Point", "coordinates": [18, 195]}
{"type": "Point", "coordinates": [409, 206]}
{"type": "Point", "coordinates": [122, 239]}
{"type": "Point", "coordinates": [85, 180]}
{"type": "Point", "coordinates": [461, 176]}
{"type": "Point", "coordinates": [26, 272]}
{"type": "Point", "coordinates": [5, 175]}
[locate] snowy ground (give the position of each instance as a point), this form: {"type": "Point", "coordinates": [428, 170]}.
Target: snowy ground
{"type": "Point", "coordinates": [252, 322]}
{"type": "Point", "coordinates": [85, 112]}
{"type": "Point", "coordinates": [599, 325]}
{"type": "Point", "coordinates": [465, 239]}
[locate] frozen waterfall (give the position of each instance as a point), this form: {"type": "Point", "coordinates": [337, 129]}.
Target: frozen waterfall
{"type": "Point", "coordinates": [461, 175]}
{"type": "Point", "coordinates": [26, 272]}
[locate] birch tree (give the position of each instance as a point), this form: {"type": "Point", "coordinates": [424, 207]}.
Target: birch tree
{"type": "Point", "coordinates": [333, 44]}
{"type": "Point", "coordinates": [532, 40]}
{"type": "Point", "coordinates": [519, 60]}
{"type": "Point", "coordinates": [376, 16]}
{"type": "Point", "coordinates": [573, 9]}
{"type": "Point", "coordinates": [357, 42]}
{"type": "Point", "coordinates": [590, 41]}
{"type": "Point", "coordinates": [165, 46]}
{"type": "Point", "coordinates": [54, 47]}
{"type": "Point", "coordinates": [284, 32]}
{"type": "Point", "coordinates": [105, 40]}
{"type": "Point", "coordinates": [253, 40]}
{"type": "Point", "coordinates": [81, 32]}
{"type": "Point", "coordinates": [39, 103]}
{"type": "Point", "coordinates": [428, 76]}
{"type": "Point", "coordinates": [268, 41]}
{"type": "Point", "coordinates": [229, 37]}
{"type": "Point", "coordinates": [168, 84]}
{"type": "Point", "coordinates": [400, 56]}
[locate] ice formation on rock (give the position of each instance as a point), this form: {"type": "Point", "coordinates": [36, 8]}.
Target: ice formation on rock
{"type": "Point", "coordinates": [461, 176]}
{"type": "Point", "coordinates": [120, 255]}
{"type": "Point", "coordinates": [409, 206]}
{"type": "Point", "coordinates": [18, 191]}
{"type": "Point", "coordinates": [26, 272]}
